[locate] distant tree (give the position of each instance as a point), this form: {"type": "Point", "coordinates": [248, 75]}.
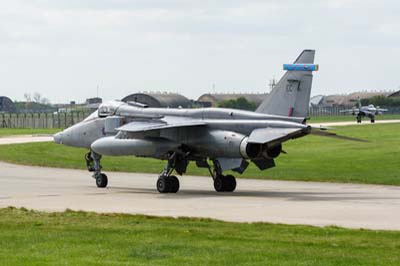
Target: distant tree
{"type": "Point", "coordinates": [38, 98]}
{"type": "Point", "coordinates": [239, 103]}
{"type": "Point", "coordinates": [27, 97]}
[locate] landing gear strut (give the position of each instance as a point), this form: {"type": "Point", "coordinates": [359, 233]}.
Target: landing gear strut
{"type": "Point", "coordinates": [93, 165]}
{"type": "Point", "coordinates": [168, 183]}
{"type": "Point", "coordinates": [222, 183]}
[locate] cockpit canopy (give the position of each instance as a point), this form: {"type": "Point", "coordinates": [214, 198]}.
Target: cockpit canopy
{"type": "Point", "coordinates": [108, 108]}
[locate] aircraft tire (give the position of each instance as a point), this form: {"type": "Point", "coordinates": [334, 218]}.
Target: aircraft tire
{"type": "Point", "coordinates": [174, 184]}
{"type": "Point", "coordinates": [163, 184]}
{"type": "Point", "coordinates": [219, 184]}
{"type": "Point", "coordinates": [230, 183]}
{"type": "Point", "coordinates": [372, 121]}
{"type": "Point", "coordinates": [101, 181]}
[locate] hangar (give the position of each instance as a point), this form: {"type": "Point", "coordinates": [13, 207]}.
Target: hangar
{"type": "Point", "coordinates": [343, 100]}
{"type": "Point", "coordinates": [213, 99]}
{"type": "Point", "coordinates": [7, 105]}
{"type": "Point", "coordinates": [395, 94]}
{"type": "Point", "coordinates": [166, 100]}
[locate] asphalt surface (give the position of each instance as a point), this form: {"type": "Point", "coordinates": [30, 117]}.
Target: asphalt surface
{"type": "Point", "coordinates": [311, 203]}
{"type": "Point", "coordinates": [20, 139]}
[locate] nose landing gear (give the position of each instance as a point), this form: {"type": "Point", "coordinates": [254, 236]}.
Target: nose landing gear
{"type": "Point", "coordinates": [93, 165]}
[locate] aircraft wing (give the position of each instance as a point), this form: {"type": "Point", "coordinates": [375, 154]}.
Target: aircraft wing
{"type": "Point", "coordinates": [351, 111]}
{"type": "Point", "coordinates": [381, 110]}
{"type": "Point", "coordinates": [163, 123]}
{"type": "Point", "coordinates": [265, 135]}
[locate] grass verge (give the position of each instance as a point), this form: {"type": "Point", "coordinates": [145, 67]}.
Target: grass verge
{"type": "Point", "coordinates": [80, 238]}
{"type": "Point", "coordinates": [343, 118]}
{"type": "Point", "coordinates": [311, 158]}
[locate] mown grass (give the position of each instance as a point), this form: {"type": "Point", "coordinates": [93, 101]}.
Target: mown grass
{"type": "Point", "coordinates": [80, 238]}
{"type": "Point", "coordinates": [4, 132]}
{"type": "Point", "coordinates": [311, 158]}
{"type": "Point", "coordinates": [340, 118]}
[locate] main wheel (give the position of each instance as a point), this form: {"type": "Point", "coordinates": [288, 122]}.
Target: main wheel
{"type": "Point", "coordinates": [372, 121]}
{"type": "Point", "coordinates": [163, 184]}
{"type": "Point", "coordinates": [230, 183]}
{"type": "Point", "coordinates": [101, 180]}
{"type": "Point", "coordinates": [174, 184]}
{"type": "Point", "coordinates": [219, 184]}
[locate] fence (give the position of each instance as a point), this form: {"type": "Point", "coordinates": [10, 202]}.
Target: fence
{"type": "Point", "coordinates": [41, 120]}
{"type": "Point", "coordinates": [336, 111]}
{"type": "Point", "coordinates": [64, 120]}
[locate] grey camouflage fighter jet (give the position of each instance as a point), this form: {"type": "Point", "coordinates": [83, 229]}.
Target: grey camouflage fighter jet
{"type": "Point", "coordinates": [365, 111]}
{"type": "Point", "coordinates": [214, 138]}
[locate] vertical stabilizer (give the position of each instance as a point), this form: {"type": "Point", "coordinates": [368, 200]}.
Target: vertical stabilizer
{"type": "Point", "coordinates": [291, 95]}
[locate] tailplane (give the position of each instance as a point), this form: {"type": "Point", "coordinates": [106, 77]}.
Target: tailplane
{"type": "Point", "coordinates": [291, 95]}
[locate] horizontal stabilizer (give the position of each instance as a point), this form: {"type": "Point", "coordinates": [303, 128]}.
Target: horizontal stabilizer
{"type": "Point", "coordinates": [265, 135]}
{"type": "Point", "coordinates": [322, 133]}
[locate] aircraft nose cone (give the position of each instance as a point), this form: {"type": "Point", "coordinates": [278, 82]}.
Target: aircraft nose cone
{"type": "Point", "coordinates": [58, 138]}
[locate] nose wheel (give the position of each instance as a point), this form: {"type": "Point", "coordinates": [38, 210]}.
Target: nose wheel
{"type": "Point", "coordinates": [101, 181]}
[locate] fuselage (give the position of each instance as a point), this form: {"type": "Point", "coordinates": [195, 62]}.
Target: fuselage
{"type": "Point", "coordinates": [224, 131]}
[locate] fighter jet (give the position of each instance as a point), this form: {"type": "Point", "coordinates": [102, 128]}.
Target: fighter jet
{"type": "Point", "coordinates": [365, 111]}
{"type": "Point", "coordinates": [214, 138]}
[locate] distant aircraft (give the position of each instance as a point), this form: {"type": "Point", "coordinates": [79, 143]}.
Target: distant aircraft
{"type": "Point", "coordinates": [214, 138]}
{"type": "Point", "coordinates": [365, 111]}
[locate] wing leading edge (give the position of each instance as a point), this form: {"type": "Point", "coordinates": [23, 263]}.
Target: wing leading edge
{"type": "Point", "coordinates": [164, 123]}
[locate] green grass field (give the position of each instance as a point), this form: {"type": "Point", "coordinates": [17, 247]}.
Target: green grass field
{"type": "Point", "coordinates": [4, 132]}
{"type": "Point", "coordinates": [311, 158]}
{"type": "Point", "coordinates": [79, 238]}
{"type": "Point", "coordinates": [340, 118]}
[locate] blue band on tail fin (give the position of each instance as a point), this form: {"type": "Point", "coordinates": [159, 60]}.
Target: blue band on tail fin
{"type": "Point", "coordinates": [300, 67]}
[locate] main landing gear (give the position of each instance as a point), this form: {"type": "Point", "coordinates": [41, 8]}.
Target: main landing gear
{"type": "Point", "coordinates": [222, 183]}
{"type": "Point", "coordinates": [168, 183]}
{"type": "Point", "coordinates": [93, 165]}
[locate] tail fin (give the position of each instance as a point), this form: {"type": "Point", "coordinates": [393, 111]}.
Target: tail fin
{"type": "Point", "coordinates": [291, 95]}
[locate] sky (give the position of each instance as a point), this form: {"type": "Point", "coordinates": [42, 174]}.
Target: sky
{"type": "Point", "coordinates": [66, 49]}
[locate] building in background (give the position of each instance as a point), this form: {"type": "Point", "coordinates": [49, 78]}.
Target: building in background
{"type": "Point", "coordinates": [159, 99]}
{"type": "Point", "coordinates": [213, 99]}
{"type": "Point", "coordinates": [93, 103]}
{"type": "Point", "coordinates": [7, 105]}
{"type": "Point", "coordinates": [395, 94]}
{"type": "Point", "coordinates": [343, 100]}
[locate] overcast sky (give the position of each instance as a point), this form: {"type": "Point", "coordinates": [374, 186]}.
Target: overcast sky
{"type": "Point", "coordinates": [64, 49]}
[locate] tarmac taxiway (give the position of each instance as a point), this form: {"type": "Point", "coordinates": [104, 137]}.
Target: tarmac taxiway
{"type": "Point", "coordinates": [311, 203]}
